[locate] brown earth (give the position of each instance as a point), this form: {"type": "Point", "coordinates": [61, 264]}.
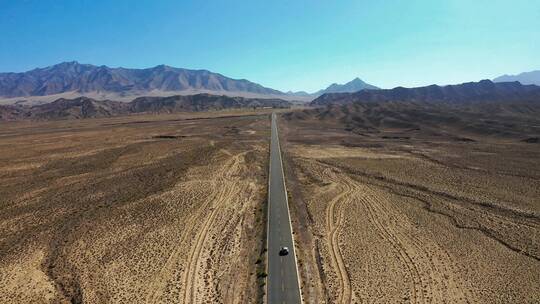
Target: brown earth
{"type": "Point", "coordinates": [146, 209]}
{"type": "Point", "coordinates": [396, 214]}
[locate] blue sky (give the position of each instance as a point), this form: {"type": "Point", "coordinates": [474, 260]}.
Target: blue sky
{"type": "Point", "coordinates": [287, 45]}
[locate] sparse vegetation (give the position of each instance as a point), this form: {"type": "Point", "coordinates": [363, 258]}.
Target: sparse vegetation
{"type": "Point", "coordinates": [119, 210]}
{"type": "Point", "coordinates": [438, 212]}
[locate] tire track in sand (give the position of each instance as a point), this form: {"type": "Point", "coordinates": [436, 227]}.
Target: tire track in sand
{"type": "Point", "coordinates": [334, 211]}
{"type": "Point", "coordinates": [222, 195]}
{"type": "Point", "coordinates": [429, 269]}
{"type": "Point", "coordinates": [174, 258]}
{"type": "Point", "coordinates": [400, 250]}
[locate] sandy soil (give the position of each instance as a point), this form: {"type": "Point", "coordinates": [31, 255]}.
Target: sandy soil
{"type": "Point", "coordinates": [145, 209]}
{"type": "Point", "coordinates": [415, 220]}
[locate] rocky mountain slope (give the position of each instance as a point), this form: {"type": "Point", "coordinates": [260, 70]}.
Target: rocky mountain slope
{"type": "Point", "coordinates": [484, 90]}
{"type": "Point", "coordinates": [85, 78]}
{"type": "Point", "coordinates": [405, 118]}
{"type": "Point", "coordinates": [84, 107]}
{"type": "Point", "coordinates": [199, 102]}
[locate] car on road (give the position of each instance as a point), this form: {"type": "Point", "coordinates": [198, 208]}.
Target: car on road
{"type": "Point", "coordinates": [284, 251]}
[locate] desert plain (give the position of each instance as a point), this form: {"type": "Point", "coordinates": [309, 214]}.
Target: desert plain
{"type": "Point", "coordinates": [171, 208]}
{"type": "Point", "coordinates": [139, 209]}
{"type": "Point", "coordinates": [388, 212]}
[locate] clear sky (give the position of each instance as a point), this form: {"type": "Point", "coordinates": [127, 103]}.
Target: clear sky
{"type": "Point", "coordinates": [283, 44]}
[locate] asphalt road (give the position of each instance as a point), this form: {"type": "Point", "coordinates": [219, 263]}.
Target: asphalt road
{"type": "Point", "coordinates": [282, 282]}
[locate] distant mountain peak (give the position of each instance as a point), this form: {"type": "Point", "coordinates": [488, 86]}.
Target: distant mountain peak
{"type": "Point", "coordinates": [163, 67]}
{"type": "Point", "coordinates": [354, 85]}
{"type": "Point", "coordinates": [65, 64]}
{"type": "Point", "coordinates": [73, 62]}
{"type": "Point", "coordinates": [298, 93]}
{"type": "Point", "coordinates": [532, 77]}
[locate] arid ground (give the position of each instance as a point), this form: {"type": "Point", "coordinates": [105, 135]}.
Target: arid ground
{"type": "Point", "coordinates": [141, 209]}
{"type": "Point", "coordinates": [171, 209]}
{"type": "Point", "coordinates": [409, 216]}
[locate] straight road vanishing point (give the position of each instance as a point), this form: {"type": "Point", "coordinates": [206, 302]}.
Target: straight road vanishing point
{"type": "Point", "coordinates": [283, 284]}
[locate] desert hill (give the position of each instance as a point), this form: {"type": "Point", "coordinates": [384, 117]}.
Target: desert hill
{"type": "Point", "coordinates": [520, 120]}
{"type": "Point", "coordinates": [199, 102]}
{"type": "Point", "coordinates": [84, 107]}
{"type": "Point", "coordinates": [483, 91]}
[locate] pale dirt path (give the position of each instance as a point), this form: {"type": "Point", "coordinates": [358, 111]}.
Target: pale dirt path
{"type": "Point", "coordinates": [225, 193]}
{"type": "Point", "coordinates": [334, 216]}
{"type": "Point", "coordinates": [173, 261]}
{"type": "Point", "coordinates": [432, 270]}
{"type": "Point", "coordinates": [195, 237]}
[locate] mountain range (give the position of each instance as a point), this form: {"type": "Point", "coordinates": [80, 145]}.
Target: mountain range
{"type": "Point", "coordinates": [532, 77]}
{"type": "Point", "coordinates": [115, 83]}
{"type": "Point", "coordinates": [72, 79]}
{"type": "Point", "coordinates": [483, 91]}
{"type": "Point", "coordinates": [69, 80]}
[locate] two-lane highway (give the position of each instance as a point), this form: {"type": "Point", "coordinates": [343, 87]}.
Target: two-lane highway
{"type": "Point", "coordinates": [283, 284]}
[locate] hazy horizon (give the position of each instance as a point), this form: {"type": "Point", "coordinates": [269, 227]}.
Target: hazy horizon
{"type": "Point", "coordinates": [301, 46]}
